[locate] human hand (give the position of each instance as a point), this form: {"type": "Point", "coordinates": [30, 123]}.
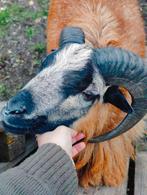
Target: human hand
{"type": "Point", "coordinates": [64, 137]}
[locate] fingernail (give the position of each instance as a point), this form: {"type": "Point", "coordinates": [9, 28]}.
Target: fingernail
{"type": "Point", "coordinates": [82, 135]}
{"type": "Point", "coordinates": [82, 145]}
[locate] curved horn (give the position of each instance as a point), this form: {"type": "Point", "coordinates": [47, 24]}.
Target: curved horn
{"type": "Point", "coordinates": [71, 35]}
{"type": "Point", "coordinates": [68, 35]}
{"type": "Point", "coordinates": [125, 69]}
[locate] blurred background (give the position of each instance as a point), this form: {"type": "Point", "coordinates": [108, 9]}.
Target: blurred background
{"type": "Point", "coordinates": [23, 41]}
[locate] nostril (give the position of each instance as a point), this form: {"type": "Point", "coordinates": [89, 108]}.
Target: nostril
{"type": "Point", "coordinates": [20, 104]}
{"type": "Point", "coordinates": [7, 112]}
{"type": "Point", "coordinates": [21, 110]}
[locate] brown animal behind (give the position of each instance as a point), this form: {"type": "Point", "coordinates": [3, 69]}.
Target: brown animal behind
{"type": "Point", "coordinates": [115, 23]}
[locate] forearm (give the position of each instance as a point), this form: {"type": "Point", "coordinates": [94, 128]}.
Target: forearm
{"type": "Point", "coordinates": [48, 171]}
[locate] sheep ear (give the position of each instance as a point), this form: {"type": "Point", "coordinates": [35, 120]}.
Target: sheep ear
{"type": "Point", "coordinates": [115, 97]}
{"type": "Point", "coordinates": [71, 35]}
{"type": "Point", "coordinates": [48, 60]}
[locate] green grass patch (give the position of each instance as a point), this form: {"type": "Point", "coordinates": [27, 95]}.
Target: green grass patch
{"type": "Point", "coordinates": [7, 92]}
{"type": "Point", "coordinates": [10, 14]}
{"type": "Point", "coordinates": [4, 17]}
{"type": "Point", "coordinates": [4, 92]}
{"type": "Point", "coordinates": [16, 13]}
{"type": "Point", "coordinates": [37, 62]}
{"type": "Point", "coordinates": [39, 47]}
{"type": "Point", "coordinates": [44, 4]}
{"type": "Point", "coordinates": [30, 32]}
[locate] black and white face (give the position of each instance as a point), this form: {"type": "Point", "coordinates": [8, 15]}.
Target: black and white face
{"type": "Point", "coordinates": [70, 83]}
{"type": "Point", "coordinates": [63, 92]}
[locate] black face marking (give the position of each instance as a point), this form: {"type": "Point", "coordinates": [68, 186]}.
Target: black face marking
{"type": "Point", "coordinates": [53, 125]}
{"type": "Point", "coordinates": [35, 126]}
{"type": "Point", "coordinates": [17, 108]}
{"type": "Point", "coordinates": [49, 60]}
{"type": "Point", "coordinates": [23, 101]}
{"type": "Point", "coordinates": [77, 81]}
{"type": "Point", "coordinates": [23, 126]}
{"type": "Point", "coordinates": [115, 97]}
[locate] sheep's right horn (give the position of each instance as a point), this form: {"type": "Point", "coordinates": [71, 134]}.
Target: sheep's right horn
{"type": "Point", "coordinates": [123, 68]}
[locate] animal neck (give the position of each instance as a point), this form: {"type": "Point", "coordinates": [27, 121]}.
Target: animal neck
{"type": "Point", "coordinates": [100, 25]}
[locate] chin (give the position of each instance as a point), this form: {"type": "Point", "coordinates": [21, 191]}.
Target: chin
{"type": "Point", "coordinates": [18, 125]}
{"type": "Point", "coordinates": [38, 125]}
{"type": "Point", "coordinates": [37, 128]}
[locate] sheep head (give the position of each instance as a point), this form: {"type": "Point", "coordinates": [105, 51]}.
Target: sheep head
{"type": "Point", "coordinates": [71, 80]}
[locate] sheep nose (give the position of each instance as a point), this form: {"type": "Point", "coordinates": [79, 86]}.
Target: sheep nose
{"type": "Point", "coordinates": [20, 104]}
{"type": "Point", "coordinates": [17, 110]}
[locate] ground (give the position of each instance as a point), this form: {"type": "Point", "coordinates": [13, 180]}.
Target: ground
{"type": "Point", "coordinates": [23, 41]}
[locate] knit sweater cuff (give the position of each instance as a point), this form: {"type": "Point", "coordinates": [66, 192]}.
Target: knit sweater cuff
{"type": "Point", "coordinates": [51, 165]}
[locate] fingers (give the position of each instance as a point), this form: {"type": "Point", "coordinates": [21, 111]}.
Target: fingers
{"type": "Point", "coordinates": [77, 137]}
{"type": "Point", "coordinates": [78, 148]}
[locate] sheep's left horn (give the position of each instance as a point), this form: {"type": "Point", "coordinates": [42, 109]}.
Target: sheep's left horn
{"type": "Point", "coordinates": [71, 35]}
{"type": "Point", "coordinates": [125, 69]}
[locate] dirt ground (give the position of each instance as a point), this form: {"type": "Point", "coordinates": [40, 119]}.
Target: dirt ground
{"type": "Point", "coordinates": [23, 41]}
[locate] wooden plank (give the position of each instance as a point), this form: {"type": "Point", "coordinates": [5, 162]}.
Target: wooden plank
{"type": "Point", "coordinates": [30, 147]}
{"type": "Point", "coordinates": [141, 174]}
{"type": "Point", "coordinates": [122, 190]}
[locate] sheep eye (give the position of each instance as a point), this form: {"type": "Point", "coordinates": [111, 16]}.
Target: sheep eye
{"type": "Point", "coordinates": [88, 96]}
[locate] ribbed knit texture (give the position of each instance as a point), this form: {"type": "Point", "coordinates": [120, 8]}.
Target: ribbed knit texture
{"type": "Point", "coordinates": [49, 171]}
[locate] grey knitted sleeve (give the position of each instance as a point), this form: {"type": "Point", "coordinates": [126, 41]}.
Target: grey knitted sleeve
{"type": "Point", "coordinates": [47, 172]}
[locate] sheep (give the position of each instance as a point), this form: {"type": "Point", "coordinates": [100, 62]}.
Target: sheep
{"type": "Point", "coordinates": [105, 23]}
{"type": "Point", "coordinates": [76, 88]}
